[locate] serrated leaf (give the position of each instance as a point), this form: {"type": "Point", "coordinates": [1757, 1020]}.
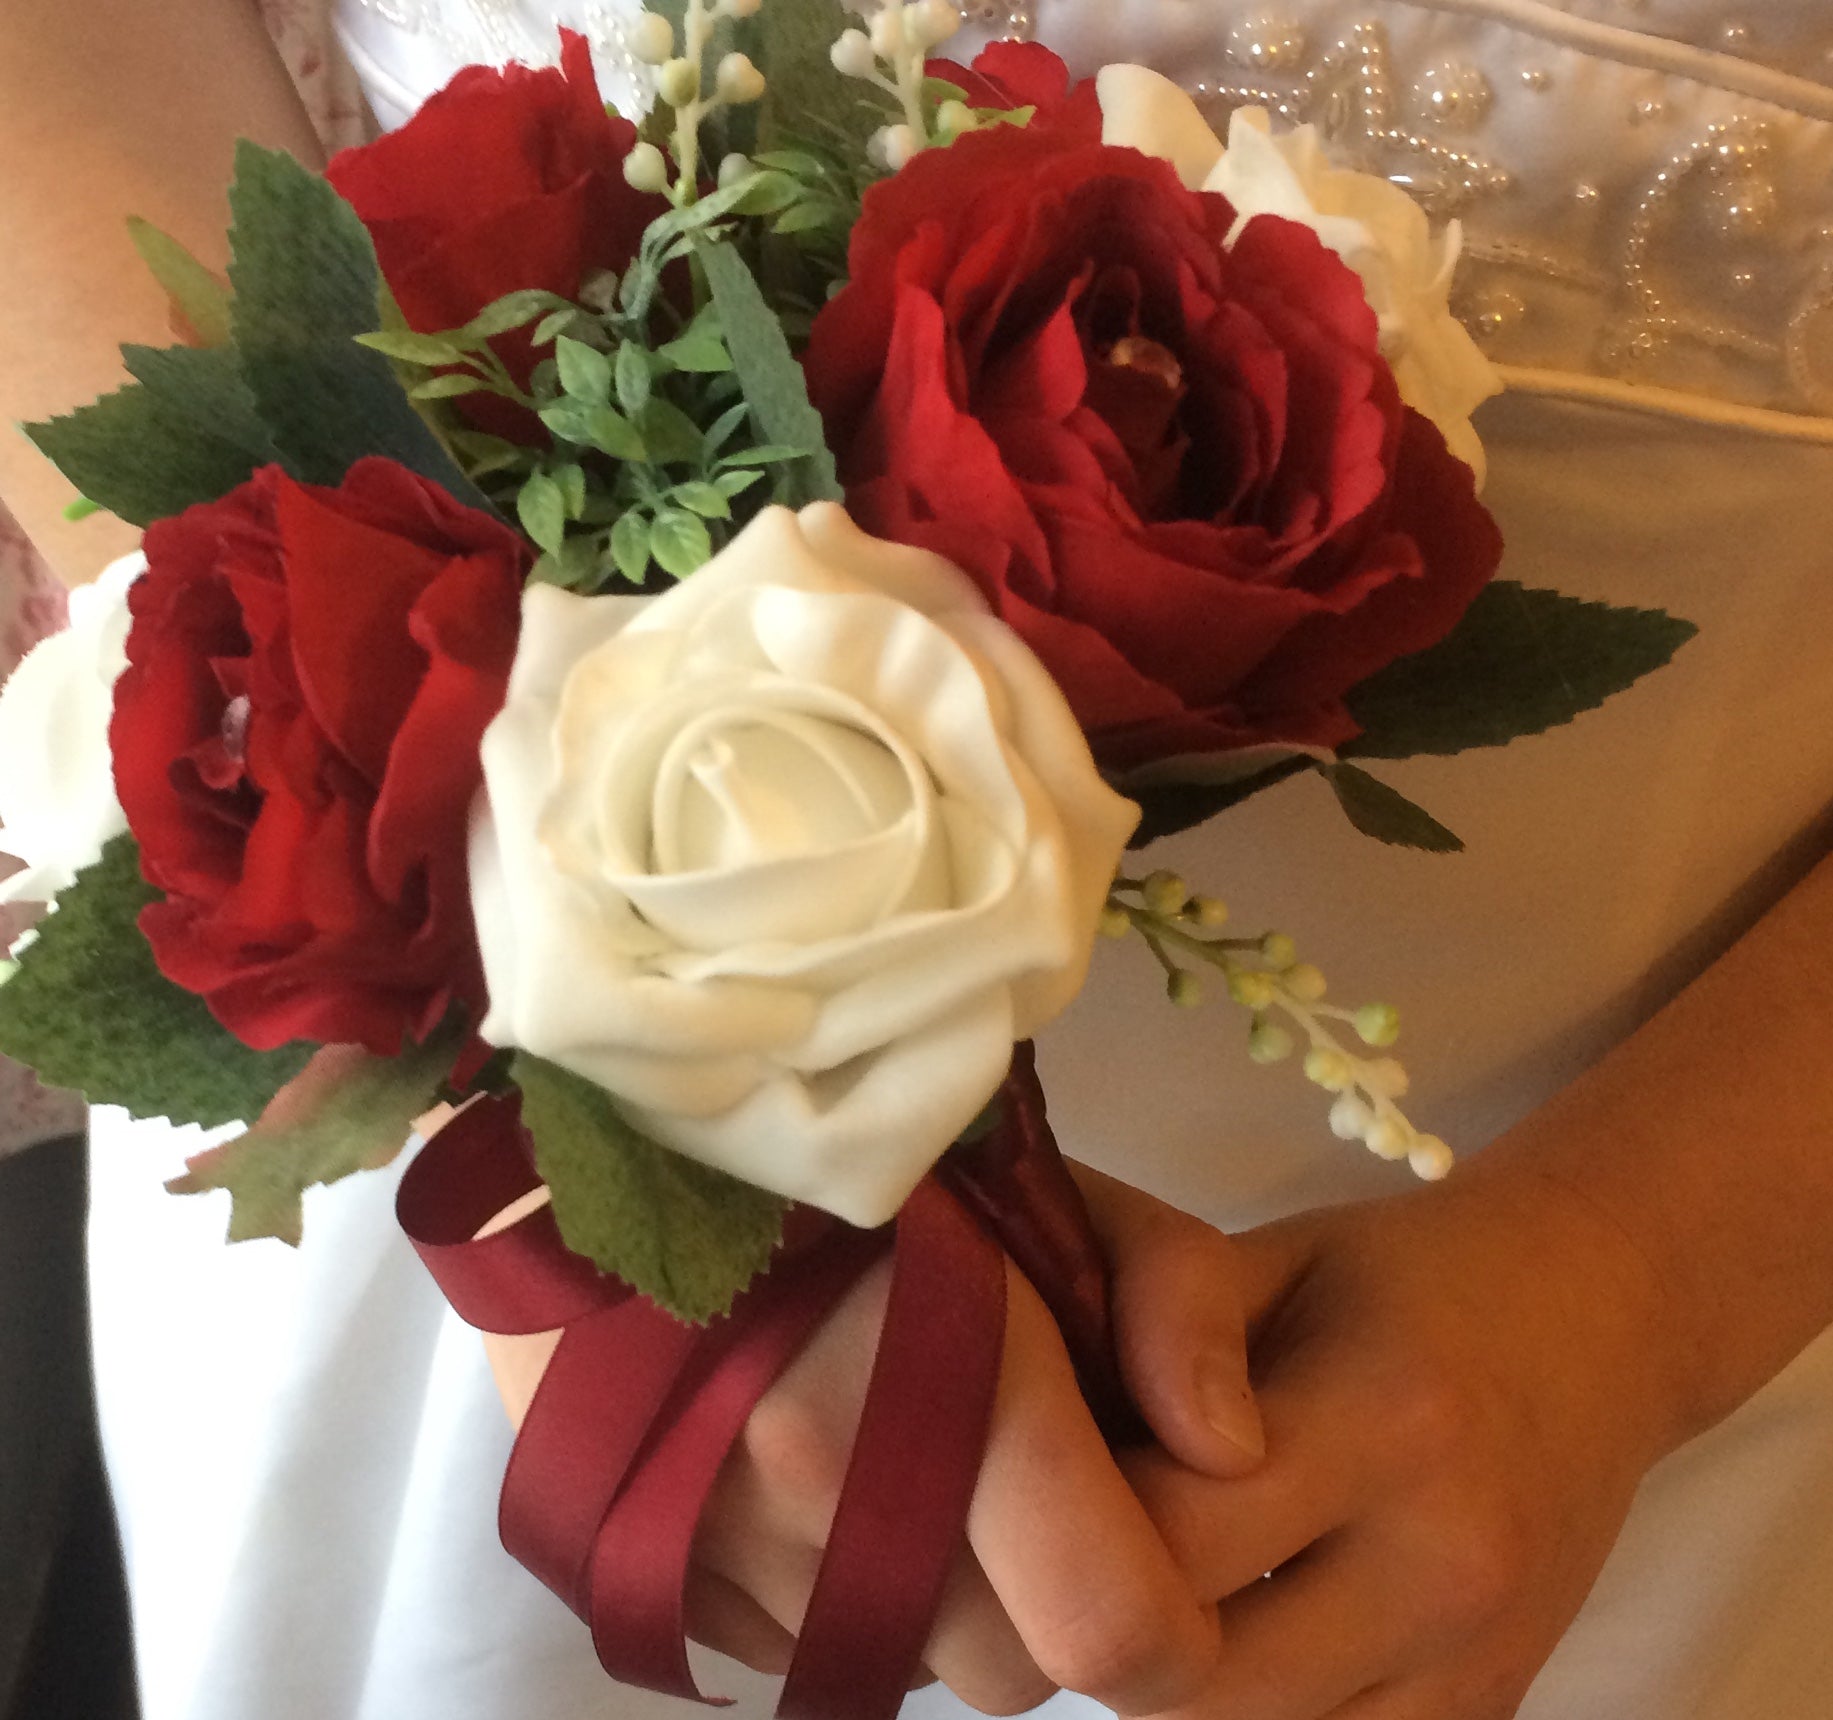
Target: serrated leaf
{"type": "Point", "coordinates": [688, 1237]}
{"type": "Point", "coordinates": [306, 284]}
{"type": "Point", "coordinates": [1385, 813]}
{"type": "Point", "coordinates": [1519, 662]}
{"type": "Point", "coordinates": [679, 542]}
{"type": "Point", "coordinates": [541, 507]}
{"type": "Point", "coordinates": [184, 432]}
{"type": "Point", "coordinates": [197, 294]}
{"type": "Point", "coordinates": [585, 372]}
{"type": "Point", "coordinates": [632, 372]}
{"type": "Point", "coordinates": [1169, 807]}
{"type": "Point", "coordinates": [702, 498]}
{"type": "Point", "coordinates": [357, 1115]}
{"type": "Point", "coordinates": [89, 1010]}
{"type": "Point", "coordinates": [630, 545]}
{"type": "Point", "coordinates": [774, 386]}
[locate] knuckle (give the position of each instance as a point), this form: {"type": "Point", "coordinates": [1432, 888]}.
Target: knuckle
{"type": "Point", "coordinates": [794, 1451]}
{"type": "Point", "coordinates": [1482, 1561]}
{"type": "Point", "coordinates": [1429, 1416]}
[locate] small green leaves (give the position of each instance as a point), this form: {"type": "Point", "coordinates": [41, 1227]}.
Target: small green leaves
{"type": "Point", "coordinates": [355, 1115]}
{"type": "Point", "coordinates": [679, 542]}
{"type": "Point", "coordinates": [1519, 662]}
{"type": "Point", "coordinates": [89, 1010]}
{"type": "Point", "coordinates": [541, 507]}
{"type": "Point", "coordinates": [585, 372]}
{"type": "Point", "coordinates": [689, 1237]}
{"type": "Point", "coordinates": [1385, 813]}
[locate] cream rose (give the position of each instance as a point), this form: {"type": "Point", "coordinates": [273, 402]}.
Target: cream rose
{"type": "Point", "coordinates": [1371, 223]}
{"type": "Point", "coordinates": [787, 858]}
{"type": "Point", "coordinates": [57, 784]}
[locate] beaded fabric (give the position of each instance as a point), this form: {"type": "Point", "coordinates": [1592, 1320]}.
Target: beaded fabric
{"type": "Point", "coordinates": [1646, 186]}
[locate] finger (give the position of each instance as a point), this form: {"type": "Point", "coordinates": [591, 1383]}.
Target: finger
{"type": "Point", "coordinates": [1434, 1699]}
{"type": "Point", "coordinates": [1072, 1556]}
{"type": "Point", "coordinates": [1180, 1326]}
{"type": "Point", "coordinates": [1320, 1467]}
{"type": "Point", "coordinates": [1327, 1628]}
{"type": "Point", "coordinates": [976, 1650]}
{"type": "Point", "coordinates": [723, 1616]}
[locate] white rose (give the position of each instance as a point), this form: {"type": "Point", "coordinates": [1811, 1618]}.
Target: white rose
{"type": "Point", "coordinates": [787, 858]}
{"type": "Point", "coordinates": [57, 780]}
{"type": "Point", "coordinates": [1371, 223]}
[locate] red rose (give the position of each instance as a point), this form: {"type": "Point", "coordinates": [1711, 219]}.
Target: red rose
{"type": "Point", "coordinates": [505, 179]}
{"type": "Point", "coordinates": [1009, 75]}
{"type": "Point", "coordinates": [1182, 473]}
{"type": "Point", "coordinates": [310, 672]}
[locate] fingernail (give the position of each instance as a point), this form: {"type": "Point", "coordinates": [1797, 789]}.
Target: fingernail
{"type": "Point", "coordinates": [1228, 1405]}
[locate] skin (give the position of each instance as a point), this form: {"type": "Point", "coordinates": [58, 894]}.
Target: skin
{"type": "Point", "coordinates": [1459, 1387]}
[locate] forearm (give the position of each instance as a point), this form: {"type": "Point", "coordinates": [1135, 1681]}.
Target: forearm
{"type": "Point", "coordinates": [1706, 1139]}
{"type": "Point", "coordinates": [116, 107]}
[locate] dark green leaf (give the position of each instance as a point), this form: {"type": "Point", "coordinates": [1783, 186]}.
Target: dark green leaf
{"type": "Point", "coordinates": [186, 433]}
{"type": "Point", "coordinates": [790, 42]}
{"type": "Point", "coordinates": [679, 542]}
{"type": "Point", "coordinates": [306, 284]}
{"type": "Point", "coordinates": [1386, 814]}
{"type": "Point", "coordinates": [1519, 662]}
{"type": "Point", "coordinates": [585, 372]}
{"type": "Point", "coordinates": [1167, 808]}
{"type": "Point", "coordinates": [673, 438]}
{"type": "Point", "coordinates": [90, 1011]}
{"type": "Point", "coordinates": [195, 291]}
{"type": "Point", "coordinates": [773, 382]}
{"type": "Point", "coordinates": [688, 1237]}
{"type": "Point", "coordinates": [357, 1119]}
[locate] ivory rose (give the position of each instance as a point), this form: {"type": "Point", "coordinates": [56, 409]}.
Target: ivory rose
{"type": "Point", "coordinates": [788, 858]}
{"type": "Point", "coordinates": [1373, 225]}
{"type": "Point", "coordinates": [57, 788]}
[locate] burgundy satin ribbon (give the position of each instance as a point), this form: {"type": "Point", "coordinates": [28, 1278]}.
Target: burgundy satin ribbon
{"type": "Point", "coordinates": [637, 1411]}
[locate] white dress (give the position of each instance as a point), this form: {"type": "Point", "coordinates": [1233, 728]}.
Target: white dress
{"type": "Point", "coordinates": [306, 1448]}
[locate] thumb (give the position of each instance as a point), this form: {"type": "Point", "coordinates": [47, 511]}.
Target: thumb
{"type": "Point", "coordinates": [1179, 1293]}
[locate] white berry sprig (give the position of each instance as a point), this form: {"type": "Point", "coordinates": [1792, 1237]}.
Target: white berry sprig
{"type": "Point", "coordinates": [1264, 976]}
{"type": "Point", "coordinates": [890, 54]}
{"type": "Point", "coordinates": [680, 81]}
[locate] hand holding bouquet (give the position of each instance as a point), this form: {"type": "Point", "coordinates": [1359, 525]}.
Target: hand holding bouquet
{"type": "Point", "coordinates": [662, 634]}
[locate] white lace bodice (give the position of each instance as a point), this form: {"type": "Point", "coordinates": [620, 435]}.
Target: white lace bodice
{"type": "Point", "coordinates": [1647, 185]}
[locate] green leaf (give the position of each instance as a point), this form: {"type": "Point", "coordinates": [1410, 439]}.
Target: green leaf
{"type": "Point", "coordinates": [699, 347]}
{"type": "Point", "coordinates": [679, 542]}
{"type": "Point", "coordinates": [90, 1011]}
{"type": "Point", "coordinates": [773, 382]}
{"type": "Point", "coordinates": [790, 44]}
{"type": "Point", "coordinates": [306, 284]}
{"type": "Point", "coordinates": [185, 432]}
{"type": "Point", "coordinates": [725, 426]}
{"type": "Point", "coordinates": [673, 438]}
{"type": "Point", "coordinates": [585, 372]}
{"type": "Point", "coordinates": [602, 427]}
{"type": "Point", "coordinates": [511, 311]}
{"type": "Point", "coordinates": [572, 482]}
{"type": "Point", "coordinates": [630, 545]}
{"type": "Point", "coordinates": [1385, 813]}
{"type": "Point", "coordinates": [358, 1119]}
{"type": "Point", "coordinates": [199, 296]}
{"type": "Point", "coordinates": [702, 498]}
{"type": "Point", "coordinates": [1520, 661]}
{"type": "Point", "coordinates": [766, 454]}
{"type": "Point", "coordinates": [688, 1237]}
{"type": "Point", "coordinates": [556, 323]}
{"type": "Point", "coordinates": [735, 483]}
{"type": "Point", "coordinates": [430, 350]}
{"type": "Point", "coordinates": [447, 386]}
{"type": "Point", "coordinates": [632, 378]}
{"type": "Point", "coordinates": [541, 507]}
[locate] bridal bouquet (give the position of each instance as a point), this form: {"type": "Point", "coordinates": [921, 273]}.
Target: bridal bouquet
{"type": "Point", "coordinates": [660, 633]}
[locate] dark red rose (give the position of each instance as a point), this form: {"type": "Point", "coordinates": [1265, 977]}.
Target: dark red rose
{"type": "Point", "coordinates": [295, 738]}
{"type": "Point", "coordinates": [505, 179]}
{"type": "Point", "coordinates": [1182, 473]}
{"type": "Point", "coordinates": [1010, 75]}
